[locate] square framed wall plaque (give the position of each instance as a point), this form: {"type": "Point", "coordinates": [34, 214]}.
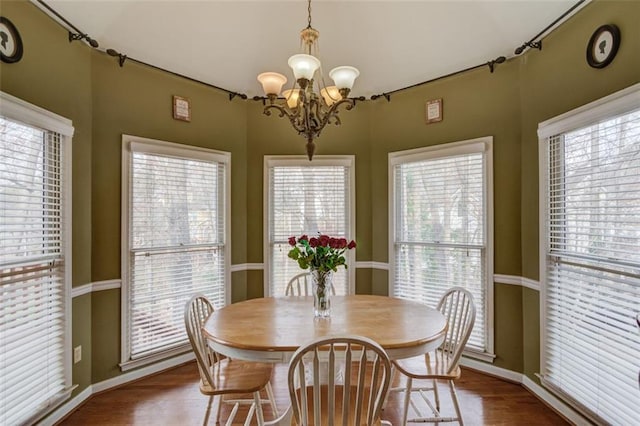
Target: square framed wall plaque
{"type": "Point", "coordinates": [181, 108]}
{"type": "Point", "coordinates": [434, 111]}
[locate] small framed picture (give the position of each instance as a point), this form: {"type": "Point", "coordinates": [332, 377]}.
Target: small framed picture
{"type": "Point", "coordinates": [181, 108]}
{"type": "Point", "coordinates": [434, 110]}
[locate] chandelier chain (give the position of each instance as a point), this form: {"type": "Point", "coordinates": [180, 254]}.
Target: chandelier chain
{"type": "Point", "coordinates": [309, 16]}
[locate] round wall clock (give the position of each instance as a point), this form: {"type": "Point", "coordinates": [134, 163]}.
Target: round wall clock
{"type": "Point", "coordinates": [10, 41]}
{"type": "Point", "coordinates": [603, 46]}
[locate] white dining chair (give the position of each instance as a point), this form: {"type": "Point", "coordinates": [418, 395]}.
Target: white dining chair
{"type": "Point", "coordinates": [459, 309]}
{"type": "Point", "coordinates": [223, 376]}
{"type": "Point", "coordinates": [340, 380]}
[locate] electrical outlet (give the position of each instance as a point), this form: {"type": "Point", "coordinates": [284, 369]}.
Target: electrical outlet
{"type": "Point", "coordinates": [77, 354]}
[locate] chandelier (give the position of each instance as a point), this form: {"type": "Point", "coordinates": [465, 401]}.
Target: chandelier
{"type": "Point", "coordinates": [307, 111]}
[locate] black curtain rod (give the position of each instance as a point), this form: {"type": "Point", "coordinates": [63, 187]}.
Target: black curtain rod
{"type": "Point", "coordinates": [561, 17]}
{"type": "Point", "coordinates": [229, 92]}
{"type": "Point", "coordinates": [69, 24]}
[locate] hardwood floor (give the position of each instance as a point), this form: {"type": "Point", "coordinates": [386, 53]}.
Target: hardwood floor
{"type": "Point", "coordinates": [172, 398]}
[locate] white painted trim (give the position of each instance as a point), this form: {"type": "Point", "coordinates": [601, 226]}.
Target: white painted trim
{"type": "Point", "coordinates": [96, 286]}
{"type": "Point", "coordinates": [120, 380]}
{"type": "Point", "coordinates": [143, 372]}
{"type": "Point", "coordinates": [491, 369]}
{"type": "Point", "coordinates": [617, 103]}
{"type": "Point", "coordinates": [555, 403]}
{"type": "Point", "coordinates": [516, 280]}
{"type": "Point", "coordinates": [106, 285]}
{"type": "Point", "coordinates": [151, 360]}
{"type": "Point", "coordinates": [370, 264]}
{"type": "Point", "coordinates": [547, 397]}
{"type": "Point", "coordinates": [247, 267]}
{"type": "Point", "coordinates": [67, 407]}
{"type": "Point", "coordinates": [81, 290]}
{"type": "Point", "coordinates": [365, 264]}
{"type": "Point", "coordinates": [24, 112]}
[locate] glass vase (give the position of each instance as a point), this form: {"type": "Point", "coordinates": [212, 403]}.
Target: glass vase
{"type": "Point", "coordinates": [321, 283]}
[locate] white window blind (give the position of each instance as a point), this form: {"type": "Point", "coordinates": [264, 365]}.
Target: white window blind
{"type": "Point", "coordinates": [439, 237]}
{"type": "Point", "coordinates": [176, 242]}
{"type": "Point", "coordinates": [312, 199]}
{"type": "Point", "coordinates": [34, 328]}
{"type": "Point", "coordinates": [591, 265]}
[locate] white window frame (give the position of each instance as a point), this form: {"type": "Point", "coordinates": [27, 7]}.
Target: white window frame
{"type": "Point", "coordinates": [169, 149]}
{"type": "Point", "coordinates": [271, 161]}
{"type": "Point", "coordinates": [618, 103]}
{"type": "Point", "coordinates": [16, 109]}
{"type": "Point", "coordinates": [479, 145]}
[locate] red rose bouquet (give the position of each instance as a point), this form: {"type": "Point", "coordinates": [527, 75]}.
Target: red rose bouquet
{"type": "Point", "coordinates": [322, 253]}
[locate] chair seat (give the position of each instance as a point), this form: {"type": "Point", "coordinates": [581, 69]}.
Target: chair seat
{"type": "Point", "coordinates": [324, 395]}
{"type": "Point", "coordinates": [235, 376]}
{"type": "Point", "coordinates": [433, 365]}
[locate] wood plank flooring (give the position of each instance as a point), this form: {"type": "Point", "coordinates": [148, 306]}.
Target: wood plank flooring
{"type": "Point", "coordinates": [172, 398]}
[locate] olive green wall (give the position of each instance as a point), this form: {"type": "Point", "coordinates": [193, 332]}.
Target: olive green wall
{"type": "Point", "coordinates": [137, 100]}
{"type": "Point", "coordinates": [55, 74]}
{"type": "Point", "coordinates": [104, 101]}
{"type": "Point", "coordinates": [553, 81]}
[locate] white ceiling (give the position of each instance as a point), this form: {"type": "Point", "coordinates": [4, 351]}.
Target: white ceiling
{"type": "Point", "coordinates": [394, 44]}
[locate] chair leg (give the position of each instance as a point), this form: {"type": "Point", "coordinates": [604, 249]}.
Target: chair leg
{"type": "Point", "coordinates": [407, 398]}
{"type": "Point", "coordinates": [272, 400]}
{"type": "Point", "coordinates": [435, 394]}
{"type": "Point", "coordinates": [394, 373]}
{"type": "Point", "coordinates": [454, 397]}
{"type": "Point", "coordinates": [208, 412]}
{"type": "Point", "coordinates": [219, 409]}
{"type": "Point", "coordinates": [258, 404]}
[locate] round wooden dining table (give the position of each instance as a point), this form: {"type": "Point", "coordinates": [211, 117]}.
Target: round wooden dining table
{"type": "Point", "coordinates": [271, 329]}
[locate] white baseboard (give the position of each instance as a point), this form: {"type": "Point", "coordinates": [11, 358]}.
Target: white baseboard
{"type": "Point", "coordinates": [559, 406]}
{"type": "Point", "coordinates": [491, 369]}
{"type": "Point", "coordinates": [67, 407]}
{"type": "Point", "coordinates": [555, 403]}
{"type": "Point", "coordinates": [120, 380]}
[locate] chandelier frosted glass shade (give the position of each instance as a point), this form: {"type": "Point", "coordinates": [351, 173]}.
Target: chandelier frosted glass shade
{"type": "Point", "coordinates": [272, 82]}
{"type": "Point", "coordinates": [291, 96]}
{"type": "Point", "coordinates": [331, 95]}
{"type": "Point", "coordinates": [304, 66]}
{"type": "Point", "coordinates": [344, 76]}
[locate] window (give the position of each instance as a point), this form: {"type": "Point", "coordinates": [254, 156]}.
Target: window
{"type": "Point", "coordinates": [175, 242]}
{"type": "Point", "coordinates": [35, 261]}
{"type": "Point", "coordinates": [441, 228]}
{"type": "Point", "coordinates": [590, 256]}
{"type": "Point", "coordinates": [307, 198]}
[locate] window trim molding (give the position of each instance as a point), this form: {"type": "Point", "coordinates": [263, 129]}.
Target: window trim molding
{"type": "Point", "coordinates": [19, 110]}
{"type": "Point", "coordinates": [617, 103]}
{"type": "Point", "coordinates": [130, 144]}
{"type": "Point", "coordinates": [482, 144]}
{"type": "Point", "coordinates": [302, 160]}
